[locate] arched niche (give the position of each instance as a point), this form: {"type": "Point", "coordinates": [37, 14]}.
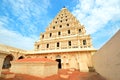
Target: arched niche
{"type": "Point", "coordinates": [21, 57]}
{"type": "Point", "coordinates": [6, 63]}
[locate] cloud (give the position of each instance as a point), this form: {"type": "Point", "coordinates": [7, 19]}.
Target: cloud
{"type": "Point", "coordinates": [95, 14]}
{"type": "Point", "coordinates": [100, 17]}
{"type": "Point", "coordinates": [15, 39]}
{"type": "Point", "coordinates": [21, 22]}
{"type": "Point", "coordinates": [26, 15]}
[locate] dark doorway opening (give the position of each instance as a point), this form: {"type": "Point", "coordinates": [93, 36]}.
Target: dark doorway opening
{"type": "Point", "coordinates": [59, 63]}
{"type": "Point", "coordinates": [6, 63]}
{"type": "Point", "coordinates": [21, 57]}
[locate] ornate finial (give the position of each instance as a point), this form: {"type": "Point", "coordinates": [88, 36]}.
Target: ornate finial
{"type": "Point", "coordinates": [63, 6]}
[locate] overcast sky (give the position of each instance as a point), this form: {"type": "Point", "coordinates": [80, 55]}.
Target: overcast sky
{"type": "Point", "coordinates": [22, 21]}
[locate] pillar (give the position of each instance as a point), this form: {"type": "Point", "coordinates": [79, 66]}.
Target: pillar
{"type": "Point", "coordinates": [83, 63]}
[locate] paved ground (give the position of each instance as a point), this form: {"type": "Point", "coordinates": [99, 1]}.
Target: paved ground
{"type": "Point", "coordinates": [62, 75]}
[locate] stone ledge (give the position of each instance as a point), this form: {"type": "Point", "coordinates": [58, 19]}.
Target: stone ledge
{"type": "Point", "coordinates": [7, 75]}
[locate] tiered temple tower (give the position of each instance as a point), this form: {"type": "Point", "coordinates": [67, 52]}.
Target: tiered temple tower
{"type": "Point", "coordinates": [65, 40]}
{"type": "Point", "coordinates": [64, 32]}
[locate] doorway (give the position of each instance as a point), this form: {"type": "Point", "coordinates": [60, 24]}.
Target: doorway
{"type": "Point", "coordinates": [59, 63]}
{"type": "Point", "coordinates": [6, 63]}
{"type": "Point", "coordinates": [58, 59]}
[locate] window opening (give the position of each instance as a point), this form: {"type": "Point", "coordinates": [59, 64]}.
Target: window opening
{"type": "Point", "coordinates": [60, 26]}
{"type": "Point", "coordinates": [79, 30]}
{"type": "Point", "coordinates": [50, 34]}
{"type": "Point", "coordinates": [53, 27]}
{"type": "Point", "coordinates": [67, 24]}
{"type": "Point", "coordinates": [47, 45]}
{"type": "Point", "coordinates": [42, 36]}
{"type": "Point", "coordinates": [69, 43]}
{"type": "Point", "coordinates": [68, 31]}
{"type": "Point", "coordinates": [84, 42]}
{"type": "Point", "coordinates": [58, 44]}
{"type": "Point", "coordinates": [38, 46]}
{"type": "Point", "coordinates": [59, 33]}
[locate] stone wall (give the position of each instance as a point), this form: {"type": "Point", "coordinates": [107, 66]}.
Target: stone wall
{"type": "Point", "coordinates": [15, 52]}
{"type": "Point", "coordinates": [41, 69]}
{"type": "Point", "coordinates": [107, 59]}
{"type": "Point", "coordinates": [78, 60]}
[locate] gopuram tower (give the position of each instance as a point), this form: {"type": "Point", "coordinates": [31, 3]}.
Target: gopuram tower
{"type": "Point", "coordinates": [65, 40]}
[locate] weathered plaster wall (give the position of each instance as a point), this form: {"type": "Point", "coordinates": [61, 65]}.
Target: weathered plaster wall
{"type": "Point", "coordinates": [107, 60]}
{"type": "Point", "coordinates": [77, 60]}
{"type": "Point", "coordinates": [41, 69]}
